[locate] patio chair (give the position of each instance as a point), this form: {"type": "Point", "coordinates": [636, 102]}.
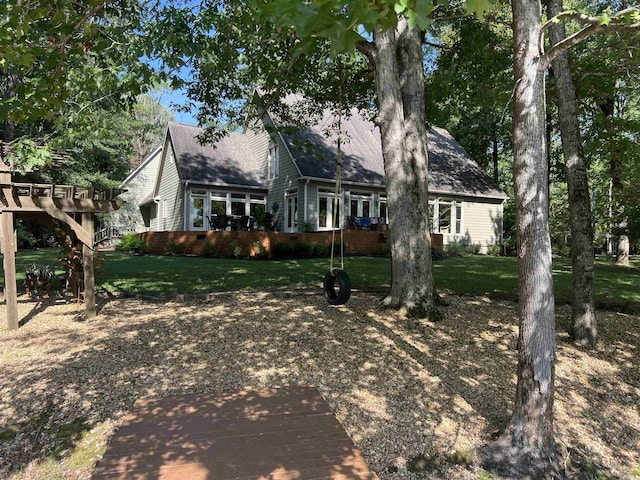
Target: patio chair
{"type": "Point", "coordinates": [245, 222]}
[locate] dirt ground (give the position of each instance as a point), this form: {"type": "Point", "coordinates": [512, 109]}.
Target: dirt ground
{"type": "Point", "coordinates": [416, 397]}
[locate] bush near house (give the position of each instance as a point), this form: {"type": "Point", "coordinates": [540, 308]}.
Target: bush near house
{"type": "Point", "coordinates": [133, 243]}
{"type": "Point", "coordinates": [302, 250]}
{"type": "Point", "coordinates": [282, 250]}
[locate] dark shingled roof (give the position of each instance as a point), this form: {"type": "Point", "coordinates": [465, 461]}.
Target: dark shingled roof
{"type": "Point", "coordinates": [451, 170]}
{"type": "Point", "coordinates": [231, 162]}
{"type": "Point", "coordinates": [227, 162]}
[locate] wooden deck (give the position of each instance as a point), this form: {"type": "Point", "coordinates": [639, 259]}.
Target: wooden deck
{"type": "Point", "coordinates": [279, 434]}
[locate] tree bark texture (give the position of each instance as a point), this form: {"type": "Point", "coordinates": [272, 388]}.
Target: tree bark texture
{"type": "Point", "coordinates": [400, 88]}
{"type": "Point", "coordinates": [527, 446]}
{"type": "Point", "coordinates": [583, 313]}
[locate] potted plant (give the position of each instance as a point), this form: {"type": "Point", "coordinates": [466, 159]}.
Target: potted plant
{"type": "Point", "coordinates": [38, 276]}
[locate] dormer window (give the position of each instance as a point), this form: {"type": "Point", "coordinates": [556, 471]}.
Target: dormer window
{"type": "Point", "coordinates": [273, 162]}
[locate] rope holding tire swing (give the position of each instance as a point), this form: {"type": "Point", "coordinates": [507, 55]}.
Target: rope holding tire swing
{"type": "Point", "coordinates": [337, 276]}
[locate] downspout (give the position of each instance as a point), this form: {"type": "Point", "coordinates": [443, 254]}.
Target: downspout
{"type": "Point", "coordinates": [185, 208]}
{"type": "Point", "coordinates": [306, 205]}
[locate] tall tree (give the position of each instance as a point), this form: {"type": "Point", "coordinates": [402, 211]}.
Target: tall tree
{"type": "Point", "coordinates": [583, 312]}
{"type": "Point", "coordinates": [527, 446]}
{"type": "Point", "coordinates": [468, 90]}
{"type": "Point", "coordinates": [261, 40]}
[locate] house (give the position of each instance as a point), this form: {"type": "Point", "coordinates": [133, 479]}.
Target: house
{"type": "Point", "coordinates": [290, 174]}
{"type": "Point", "coordinates": [138, 188]}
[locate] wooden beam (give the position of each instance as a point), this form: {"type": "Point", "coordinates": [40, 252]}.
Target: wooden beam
{"type": "Point", "coordinates": [9, 263]}
{"type": "Point", "coordinates": [69, 205]}
{"type": "Point", "coordinates": [85, 237]}
{"type": "Point", "coordinates": [89, 270]}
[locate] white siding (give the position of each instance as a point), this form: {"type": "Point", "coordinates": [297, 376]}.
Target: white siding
{"type": "Point", "coordinates": [481, 224]}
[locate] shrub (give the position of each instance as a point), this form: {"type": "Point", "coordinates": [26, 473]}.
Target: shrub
{"type": "Point", "coordinates": [233, 250]}
{"type": "Point", "coordinates": [308, 227]}
{"type": "Point", "coordinates": [209, 249]}
{"type": "Point", "coordinates": [337, 248]}
{"type": "Point", "coordinates": [494, 250]}
{"type": "Point", "coordinates": [384, 249]}
{"type": "Point", "coordinates": [320, 250]}
{"type": "Point", "coordinates": [475, 249]}
{"type": "Point", "coordinates": [133, 243]}
{"type": "Point", "coordinates": [454, 249]}
{"type": "Point", "coordinates": [259, 250]}
{"type": "Point", "coordinates": [283, 250]}
{"type": "Point", "coordinates": [174, 248]}
{"type": "Point", "coordinates": [302, 250]}
{"type": "Point", "coordinates": [25, 239]}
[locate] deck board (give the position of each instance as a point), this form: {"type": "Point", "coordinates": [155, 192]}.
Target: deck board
{"type": "Point", "coordinates": [276, 434]}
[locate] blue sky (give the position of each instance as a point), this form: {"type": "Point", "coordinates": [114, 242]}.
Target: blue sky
{"type": "Point", "coordinates": [178, 97]}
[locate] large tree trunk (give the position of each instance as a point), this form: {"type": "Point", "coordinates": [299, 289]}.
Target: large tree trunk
{"type": "Point", "coordinates": [527, 446]}
{"type": "Point", "coordinates": [583, 311]}
{"type": "Point", "coordinates": [400, 87]}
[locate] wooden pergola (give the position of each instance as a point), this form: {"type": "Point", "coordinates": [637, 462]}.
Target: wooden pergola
{"type": "Point", "coordinates": [73, 205]}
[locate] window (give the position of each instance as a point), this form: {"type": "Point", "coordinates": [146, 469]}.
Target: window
{"type": "Point", "coordinates": [218, 207]}
{"type": "Point", "coordinates": [327, 218]}
{"type": "Point", "coordinates": [254, 201]}
{"type": "Point", "coordinates": [383, 212]}
{"type": "Point", "coordinates": [238, 205]}
{"type": "Point", "coordinates": [445, 217]}
{"type": "Point", "coordinates": [197, 211]}
{"type": "Point", "coordinates": [360, 204]}
{"type": "Point", "coordinates": [273, 162]}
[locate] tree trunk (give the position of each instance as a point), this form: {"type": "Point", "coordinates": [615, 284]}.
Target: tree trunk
{"type": "Point", "coordinates": [527, 446]}
{"type": "Point", "coordinates": [622, 257]}
{"type": "Point", "coordinates": [400, 87]}
{"type": "Point", "coordinates": [494, 156]}
{"type": "Point", "coordinates": [10, 82]}
{"type": "Point", "coordinates": [583, 314]}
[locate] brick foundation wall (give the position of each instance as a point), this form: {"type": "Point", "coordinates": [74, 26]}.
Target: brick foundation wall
{"type": "Point", "coordinates": [355, 241]}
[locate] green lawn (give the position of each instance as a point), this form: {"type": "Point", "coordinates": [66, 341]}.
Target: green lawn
{"type": "Point", "coordinates": [496, 276]}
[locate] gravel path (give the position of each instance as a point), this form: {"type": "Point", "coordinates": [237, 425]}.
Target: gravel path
{"type": "Point", "coordinates": [416, 397]}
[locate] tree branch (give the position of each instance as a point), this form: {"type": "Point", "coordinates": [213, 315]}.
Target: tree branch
{"type": "Point", "coordinates": [91, 13]}
{"type": "Point", "coordinates": [368, 49]}
{"type": "Point", "coordinates": [595, 26]}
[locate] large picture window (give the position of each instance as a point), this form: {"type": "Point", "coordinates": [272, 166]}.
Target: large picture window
{"type": "Point", "coordinates": [204, 203]}
{"type": "Point", "coordinates": [360, 204]}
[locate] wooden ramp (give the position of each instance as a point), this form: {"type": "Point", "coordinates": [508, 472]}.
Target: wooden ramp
{"type": "Point", "coordinates": [278, 434]}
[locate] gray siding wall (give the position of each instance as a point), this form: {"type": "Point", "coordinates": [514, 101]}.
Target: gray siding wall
{"type": "Point", "coordinates": [129, 217]}
{"type": "Point", "coordinates": [259, 139]}
{"type": "Point", "coordinates": [170, 190]}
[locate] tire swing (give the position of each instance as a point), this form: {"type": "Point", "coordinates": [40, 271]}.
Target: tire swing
{"type": "Point", "coordinates": [337, 285]}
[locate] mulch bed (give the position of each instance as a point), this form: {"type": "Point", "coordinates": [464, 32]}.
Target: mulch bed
{"type": "Point", "coordinates": [416, 397]}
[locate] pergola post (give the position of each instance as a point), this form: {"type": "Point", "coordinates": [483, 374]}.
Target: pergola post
{"type": "Point", "coordinates": [9, 264]}
{"type": "Point", "coordinates": [89, 268]}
